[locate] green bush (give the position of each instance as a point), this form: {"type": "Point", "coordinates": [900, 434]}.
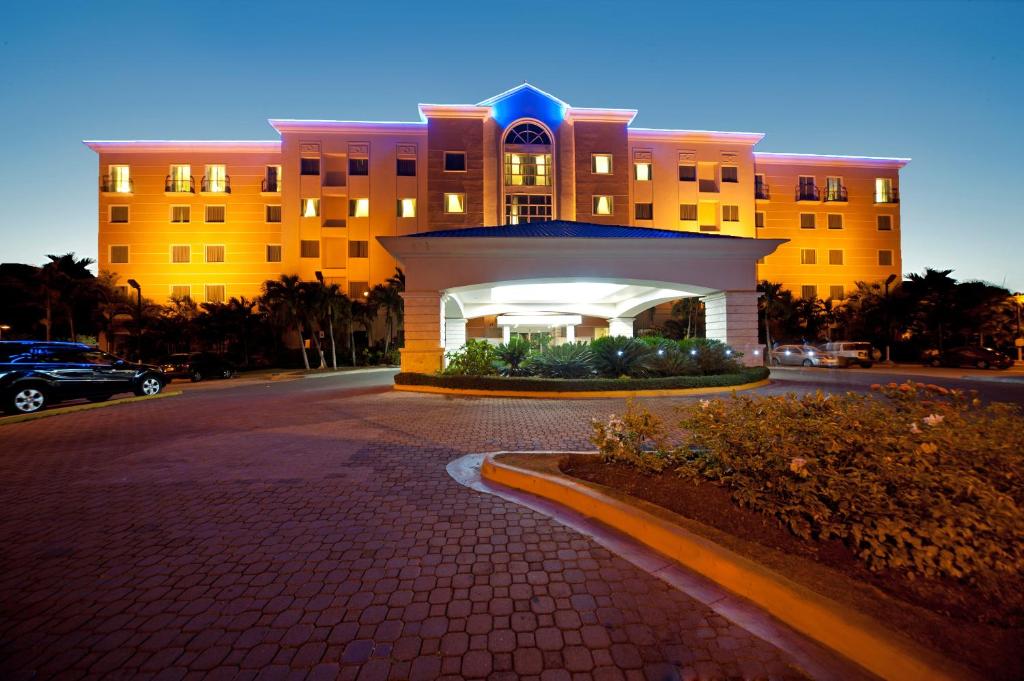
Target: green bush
{"type": "Point", "coordinates": [710, 356]}
{"type": "Point", "coordinates": [494, 382]}
{"type": "Point", "coordinates": [667, 359]}
{"type": "Point", "coordinates": [616, 356]}
{"type": "Point", "coordinates": [569, 360]}
{"type": "Point", "coordinates": [475, 358]}
{"type": "Point", "coordinates": [514, 355]}
{"type": "Point", "coordinates": [915, 478]}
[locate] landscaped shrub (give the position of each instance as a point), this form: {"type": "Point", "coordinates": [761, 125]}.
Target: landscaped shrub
{"type": "Point", "coordinates": [710, 356]}
{"type": "Point", "coordinates": [616, 356]}
{"type": "Point", "coordinates": [915, 477]}
{"type": "Point", "coordinates": [667, 359]}
{"type": "Point", "coordinates": [569, 360]}
{"type": "Point", "coordinates": [475, 358]}
{"type": "Point", "coordinates": [514, 355]}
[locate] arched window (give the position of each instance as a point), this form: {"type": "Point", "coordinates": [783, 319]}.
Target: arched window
{"type": "Point", "coordinates": [527, 133]}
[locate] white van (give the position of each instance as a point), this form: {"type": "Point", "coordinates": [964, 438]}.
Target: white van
{"type": "Point", "coordinates": [853, 352]}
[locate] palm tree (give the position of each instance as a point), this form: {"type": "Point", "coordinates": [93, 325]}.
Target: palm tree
{"type": "Point", "coordinates": [336, 305]}
{"type": "Point", "coordinates": [284, 300]}
{"type": "Point", "coordinates": [242, 319]}
{"type": "Point", "coordinates": [389, 299]}
{"type": "Point", "coordinates": [65, 279]}
{"type": "Point", "coordinates": [776, 304]}
{"type": "Point", "coordinates": [363, 313]}
{"type": "Point", "coordinates": [313, 314]}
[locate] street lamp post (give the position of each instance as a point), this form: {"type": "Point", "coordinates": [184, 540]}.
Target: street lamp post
{"type": "Point", "coordinates": [138, 319]}
{"type": "Point", "coordinates": [7, 327]}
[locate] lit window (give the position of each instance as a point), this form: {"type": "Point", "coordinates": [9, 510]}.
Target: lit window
{"type": "Point", "coordinates": [730, 174]}
{"type": "Point", "coordinates": [688, 211]}
{"type": "Point", "coordinates": [119, 213]}
{"type": "Point", "coordinates": [310, 208]}
{"type": "Point", "coordinates": [759, 220]}
{"type": "Point", "coordinates": [836, 292]}
{"type": "Point", "coordinates": [118, 255]}
{"type": "Point", "coordinates": [522, 208]}
{"type": "Point", "coordinates": [527, 133]}
{"type": "Point", "coordinates": [309, 249]}
{"type": "Point", "coordinates": [274, 213]}
{"type": "Point", "coordinates": [120, 180]}
{"type": "Point", "coordinates": [835, 221]}
{"type": "Point", "coordinates": [601, 164]}
{"type": "Point", "coordinates": [215, 214]}
{"type": "Point", "coordinates": [181, 292]}
{"type": "Point", "coordinates": [309, 166]}
{"type": "Point", "coordinates": [358, 166]}
{"type": "Point", "coordinates": [454, 161]}
{"type": "Point", "coordinates": [884, 223]}
{"type": "Point", "coordinates": [885, 258]}
{"type": "Point", "coordinates": [688, 173]}
{"type": "Point", "coordinates": [358, 208]}
{"type": "Point", "coordinates": [809, 291]}
{"type": "Point", "coordinates": [454, 203]}
{"type": "Point", "coordinates": [358, 249]}
{"type": "Point", "coordinates": [216, 179]}
{"type": "Point", "coordinates": [358, 289]}
{"type": "Point", "coordinates": [406, 208]}
{"type": "Point", "coordinates": [835, 257]}
{"type": "Point", "coordinates": [181, 254]}
{"type": "Point", "coordinates": [807, 221]}
{"type": "Point", "coordinates": [528, 170]}
{"type": "Point", "coordinates": [808, 256]}
{"type": "Point", "coordinates": [643, 211]}
{"type": "Point", "coordinates": [603, 205]}
{"type": "Point", "coordinates": [730, 213]}
{"type": "Point", "coordinates": [214, 254]}
{"type": "Point", "coordinates": [215, 293]}
{"type": "Point", "coordinates": [834, 189]}
{"type": "Point", "coordinates": [642, 172]}
{"type": "Point", "coordinates": [180, 179]}
{"type": "Point", "coordinates": [883, 190]}
{"type": "Point", "coordinates": [181, 213]}
{"type": "Point", "coordinates": [273, 253]}
{"type": "Point", "coordinates": [405, 167]}
{"type": "Point", "coordinates": [272, 181]}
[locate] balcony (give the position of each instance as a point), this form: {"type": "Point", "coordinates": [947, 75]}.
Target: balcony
{"type": "Point", "coordinates": [215, 185]}
{"type": "Point", "coordinates": [808, 192]}
{"type": "Point", "coordinates": [890, 196]}
{"type": "Point", "coordinates": [835, 194]}
{"type": "Point", "coordinates": [707, 185]}
{"type": "Point", "coordinates": [761, 192]}
{"type": "Point", "coordinates": [270, 185]}
{"type": "Point", "coordinates": [180, 185]}
{"type": "Point", "coordinates": [109, 185]}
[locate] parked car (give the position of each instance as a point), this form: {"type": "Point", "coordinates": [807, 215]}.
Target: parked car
{"type": "Point", "coordinates": [850, 352]}
{"type": "Point", "coordinates": [802, 355]}
{"type": "Point", "coordinates": [197, 366]}
{"type": "Point", "coordinates": [982, 358]}
{"type": "Point", "coordinates": [35, 374]}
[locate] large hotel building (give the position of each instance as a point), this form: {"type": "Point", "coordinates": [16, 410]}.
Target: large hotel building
{"type": "Point", "coordinates": [214, 219]}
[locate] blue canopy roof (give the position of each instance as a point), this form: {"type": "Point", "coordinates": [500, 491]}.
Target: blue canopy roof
{"type": "Point", "coordinates": [569, 229]}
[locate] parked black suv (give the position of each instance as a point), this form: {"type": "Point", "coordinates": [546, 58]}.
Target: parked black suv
{"type": "Point", "coordinates": [971, 356]}
{"type": "Point", "coordinates": [34, 374]}
{"type": "Point", "coordinates": [197, 366]}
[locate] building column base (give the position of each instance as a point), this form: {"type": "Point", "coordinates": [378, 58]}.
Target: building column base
{"type": "Point", "coordinates": [731, 317]}
{"type": "Point", "coordinates": [620, 326]}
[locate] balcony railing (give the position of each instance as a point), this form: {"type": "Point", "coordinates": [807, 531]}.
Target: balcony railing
{"type": "Point", "coordinates": [216, 185]}
{"type": "Point", "coordinates": [808, 192]}
{"type": "Point", "coordinates": [890, 196]}
{"type": "Point", "coordinates": [180, 184]}
{"type": "Point", "coordinates": [761, 191]}
{"type": "Point", "coordinates": [119, 186]}
{"type": "Point", "coordinates": [270, 186]}
{"type": "Point", "coordinates": [707, 186]}
{"type": "Point", "coordinates": [835, 193]}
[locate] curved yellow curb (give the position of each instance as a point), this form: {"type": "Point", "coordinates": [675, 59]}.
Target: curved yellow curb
{"type": "Point", "coordinates": [578, 394]}
{"type": "Point", "coordinates": [57, 411]}
{"type": "Point", "coordinates": [850, 633]}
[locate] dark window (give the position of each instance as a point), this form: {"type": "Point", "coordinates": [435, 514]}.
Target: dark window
{"type": "Point", "coordinates": [309, 249]}
{"type": "Point", "coordinates": [358, 249]}
{"type": "Point", "coordinates": [358, 290]}
{"type": "Point", "coordinates": [520, 208]}
{"type": "Point", "coordinates": [119, 213]}
{"type": "Point", "coordinates": [454, 161]}
{"type": "Point", "coordinates": [759, 220]}
{"type": "Point", "coordinates": [119, 254]}
{"type": "Point", "coordinates": [687, 173]}
{"type": "Point", "coordinates": [643, 211]}
{"type": "Point", "coordinates": [688, 211]}
{"type": "Point", "coordinates": [273, 253]}
{"type": "Point", "coordinates": [359, 166]}
{"type": "Point", "coordinates": [310, 166]}
{"type": "Point", "coordinates": [730, 174]}
{"type": "Point", "coordinates": [405, 167]}
{"type": "Point", "coordinates": [273, 213]}
{"type": "Point", "coordinates": [527, 133]}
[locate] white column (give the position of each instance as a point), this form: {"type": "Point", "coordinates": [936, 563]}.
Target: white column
{"type": "Point", "coordinates": [423, 319]}
{"type": "Point", "coordinates": [570, 333]}
{"type": "Point", "coordinates": [454, 333]}
{"type": "Point", "coordinates": [506, 334]}
{"type": "Point", "coordinates": [731, 317]}
{"type": "Point", "coordinates": [620, 326]}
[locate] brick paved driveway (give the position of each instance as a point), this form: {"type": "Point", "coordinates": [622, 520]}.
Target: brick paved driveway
{"type": "Point", "coordinates": [301, 531]}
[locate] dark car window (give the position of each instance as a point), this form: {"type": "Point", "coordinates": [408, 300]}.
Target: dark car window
{"type": "Point", "coordinates": [9, 351]}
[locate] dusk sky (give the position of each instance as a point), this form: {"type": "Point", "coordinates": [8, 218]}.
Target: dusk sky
{"type": "Point", "coordinates": [942, 83]}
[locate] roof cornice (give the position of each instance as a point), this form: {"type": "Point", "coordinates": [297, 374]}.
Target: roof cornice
{"type": "Point", "coordinates": [149, 146]}
{"type": "Point", "coordinates": [453, 111]}
{"type": "Point", "coordinates": [766, 157]}
{"type": "Point", "coordinates": [664, 135]}
{"type": "Point", "coordinates": [601, 115]}
{"type": "Point", "coordinates": [283, 125]}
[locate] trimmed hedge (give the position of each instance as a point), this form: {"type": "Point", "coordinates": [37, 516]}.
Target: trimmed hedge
{"type": "Point", "coordinates": [583, 384]}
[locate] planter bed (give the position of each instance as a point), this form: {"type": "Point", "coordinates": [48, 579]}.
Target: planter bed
{"type": "Point", "coordinates": [940, 614]}
{"type": "Point", "coordinates": [499, 383]}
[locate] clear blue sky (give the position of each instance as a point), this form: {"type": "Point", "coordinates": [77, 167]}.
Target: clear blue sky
{"type": "Point", "coordinates": [942, 83]}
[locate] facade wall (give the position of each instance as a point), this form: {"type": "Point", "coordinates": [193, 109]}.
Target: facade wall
{"type": "Point", "coordinates": [597, 137]}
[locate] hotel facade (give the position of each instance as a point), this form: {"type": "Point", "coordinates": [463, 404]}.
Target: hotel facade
{"type": "Point", "coordinates": [213, 220]}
